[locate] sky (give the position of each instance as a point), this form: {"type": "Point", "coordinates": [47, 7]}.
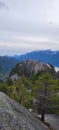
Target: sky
{"type": "Point", "coordinates": [27, 25]}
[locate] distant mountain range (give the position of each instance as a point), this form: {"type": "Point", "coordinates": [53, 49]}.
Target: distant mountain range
{"type": "Point", "coordinates": [47, 56]}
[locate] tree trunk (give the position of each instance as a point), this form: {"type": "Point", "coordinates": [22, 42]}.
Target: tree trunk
{"type": "Point", "coordinates": [43, 115]}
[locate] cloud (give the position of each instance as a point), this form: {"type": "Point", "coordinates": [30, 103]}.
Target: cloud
{"type": "Point", "coordinates": [20, 44]}
{"type": "Point", "coordinates": [28, 25]}
{"type": "Point", "coordinates": [3, 5]}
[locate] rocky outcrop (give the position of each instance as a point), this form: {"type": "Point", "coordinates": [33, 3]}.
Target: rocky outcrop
{"type": "Point", "coordinates": [15, 117]}
{"type": "Point", "coordinates": [29, 68]}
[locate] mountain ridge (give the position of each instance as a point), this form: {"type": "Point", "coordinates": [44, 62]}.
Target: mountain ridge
{"type": "Point", "coordinates": [46, 56]}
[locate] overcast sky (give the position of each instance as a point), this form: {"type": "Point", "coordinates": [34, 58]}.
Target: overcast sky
{"type": "Point", "coordinates": [27, 25]}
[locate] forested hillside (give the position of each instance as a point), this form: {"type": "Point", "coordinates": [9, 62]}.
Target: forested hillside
{"type": "Point", "coordinates": [7, 63]}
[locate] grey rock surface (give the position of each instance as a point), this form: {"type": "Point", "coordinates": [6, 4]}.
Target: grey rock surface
{"type": "Point", "coordinates": [53, 120]}
{"type": "Point", "coordinates": [13, 116]}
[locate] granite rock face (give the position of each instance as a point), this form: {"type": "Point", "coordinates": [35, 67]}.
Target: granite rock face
{"type": "Point", "coordinates": [13, 116]}
{"type": "Point", "coordinates": [29, 68]}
